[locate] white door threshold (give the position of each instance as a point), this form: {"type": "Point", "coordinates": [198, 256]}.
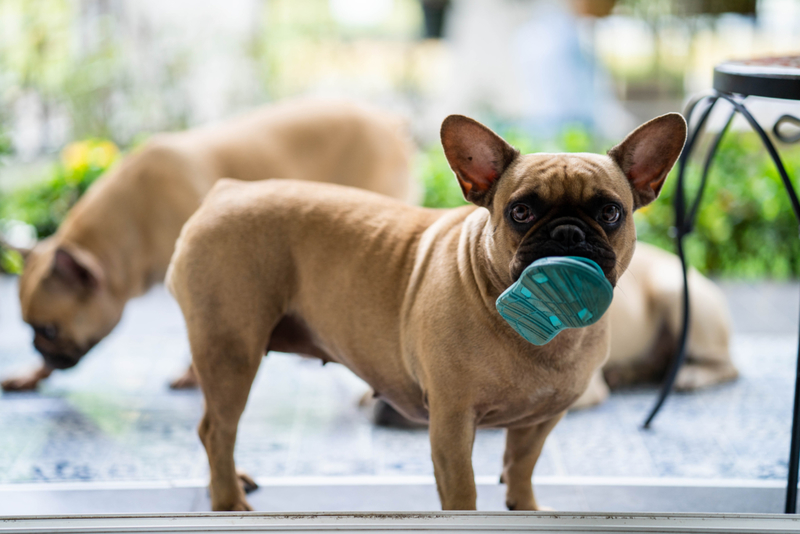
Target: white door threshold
{"type": "Point", "coordinates": [410, 494]}
{"type": "Point", "coordinates": [508, 522]}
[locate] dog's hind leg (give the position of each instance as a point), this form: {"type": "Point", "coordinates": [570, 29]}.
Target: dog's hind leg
{"type": "Point", "coordinates": [188, 380]}
{"type": "Point", "coordinates": [523, 447]}
{"type": "Point", "coordinates": [226, 365]}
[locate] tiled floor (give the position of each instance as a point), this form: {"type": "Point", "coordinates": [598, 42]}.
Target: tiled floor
{"type": "Point", "coordinates": [112, 418]}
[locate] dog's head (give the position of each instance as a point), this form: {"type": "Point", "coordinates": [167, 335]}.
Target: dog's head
{"type": "Point", "coordinates": [65, 298]}
{"type": "Point", "coordinates": [561, 204]}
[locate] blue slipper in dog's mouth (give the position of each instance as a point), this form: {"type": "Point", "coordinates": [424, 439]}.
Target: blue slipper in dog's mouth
{"type": "Point", "coordinates": [553, 294]}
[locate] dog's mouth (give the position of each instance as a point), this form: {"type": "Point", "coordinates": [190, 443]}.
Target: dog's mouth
{"type": "Point", "coordinates": [60, 357]}
{"type": "Point", "coordinates": [532, 250]}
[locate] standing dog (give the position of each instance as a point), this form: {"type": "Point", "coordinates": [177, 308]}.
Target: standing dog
{"type": "Point", "coordinates": [405, 296]}
{"type": "Point", "coordinates": [118, 239]}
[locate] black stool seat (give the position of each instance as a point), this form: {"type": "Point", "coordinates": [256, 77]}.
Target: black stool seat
{"type": "Point", "coordinates": [772, 77]}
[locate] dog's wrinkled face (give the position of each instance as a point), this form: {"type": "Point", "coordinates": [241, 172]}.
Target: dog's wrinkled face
{"type": "Point", "coordinates": [65, 299]}
{"type": "Point", "coordinates": [562, 204]}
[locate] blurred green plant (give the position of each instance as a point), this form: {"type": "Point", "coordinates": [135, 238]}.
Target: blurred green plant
{"type": "Point", "coordinates": [745, 226]}
{"type": "Point", "coordinates": [10, 260]}
{"type": "Point", "coordinates": [45, 204]}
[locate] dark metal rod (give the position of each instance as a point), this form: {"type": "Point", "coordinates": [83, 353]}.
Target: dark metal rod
{"type": "Point", "coordinates": [783, 138]}
{"type": "Point", "coordinates": [712, 151]}
{"type": "Point", "coordinates": [681, 231]}
{"type": "Point", "coordinates": [794, 448]}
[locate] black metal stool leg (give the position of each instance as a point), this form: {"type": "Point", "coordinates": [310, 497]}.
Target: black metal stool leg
{"type": "Point", "coordinates": [682, 229]}
{"type": "Point", "coordinates": [684, 225]}
{"type": "Point", "coordinates": [794, 449]}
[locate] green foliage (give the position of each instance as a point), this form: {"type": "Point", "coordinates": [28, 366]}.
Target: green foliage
{"type": "Point", "coordinates": [5, 144]}
{"type": "Point", "coordinates": [45, 204]}
{"type": "Point", "coordinates": [745, 227]}
{"type": "Point", "coordinates": [10, 261]}
{"type": "Point", "coordinates": [441, 189]}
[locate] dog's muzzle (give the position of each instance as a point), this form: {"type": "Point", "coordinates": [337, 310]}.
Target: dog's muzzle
{"type": "Point", "coordinates": [60, 359]}
{"type": "Point", "coordinates": [566, 236]}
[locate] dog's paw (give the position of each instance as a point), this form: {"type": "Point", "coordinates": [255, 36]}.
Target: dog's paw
{"type": "Point", "coordinates": [239, 505]}
{"type": "Point", "coordinates": [188, 380]}
{"type": "Point", "coordinates": [693, 376]}
{"type": "Point", "coordinates": [20, 383]}
{"type": "Point", "coordinates": [528, 506]}
{"type": "Point", "coordinates": [246, 481]}
{"type": "Point", "coordinates": [242, 506]}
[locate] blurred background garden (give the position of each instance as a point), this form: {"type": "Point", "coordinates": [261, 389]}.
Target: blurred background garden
{"type": "Point", "coordinates": [83, 82]}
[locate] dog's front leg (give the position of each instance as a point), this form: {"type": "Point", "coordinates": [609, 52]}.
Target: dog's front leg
{"type": "Point", "coordinates": [452, 433]}
{"type": "Point", "coordinates": [523, 447]}
{"type": "Point", "coordinates": [29, 381]}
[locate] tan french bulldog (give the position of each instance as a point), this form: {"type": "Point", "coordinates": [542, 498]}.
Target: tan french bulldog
{"type": "Point", "coordinates": [405, 296]}
{"type": "Point", "coordinates": [118, 239]}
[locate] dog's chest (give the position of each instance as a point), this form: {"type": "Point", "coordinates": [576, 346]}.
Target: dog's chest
{"type": "Point", "coordinates": [527, 406]}
{"type": "Point", "coordinates": [536, 386]}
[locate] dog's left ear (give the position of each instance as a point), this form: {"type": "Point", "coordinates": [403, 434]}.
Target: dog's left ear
{"type": "Point", "coordinates": [477, 155]}
{"type": "Point", "coordinates": [648, 153]}
{"type": "Point", "coordinates": [78, 269]}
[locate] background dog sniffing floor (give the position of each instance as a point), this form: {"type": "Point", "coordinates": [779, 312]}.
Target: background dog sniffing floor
{"type": "Point", "coordinates": [112, 418]}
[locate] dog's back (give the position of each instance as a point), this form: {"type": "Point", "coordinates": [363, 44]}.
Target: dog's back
{"type": "Point", "coordinates": [149, 196]}
{"type": "Point", "coordinates": [236, 263]}
{"type": "Point", "coordinates": [128, 222]}
{"type": "Point", "coordinates": [328, 141]}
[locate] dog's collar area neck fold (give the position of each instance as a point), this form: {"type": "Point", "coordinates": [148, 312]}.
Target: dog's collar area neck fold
{"type": "Point", "coordinates": [553, 294]}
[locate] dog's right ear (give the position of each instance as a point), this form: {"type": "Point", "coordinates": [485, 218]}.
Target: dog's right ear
{"type": "Point", "coordinates": [477, 155]}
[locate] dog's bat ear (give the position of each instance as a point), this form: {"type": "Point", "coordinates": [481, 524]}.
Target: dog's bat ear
{"type": "Point", "coordinates": [648, 153]}
{"type": "Point", "coordinates": [77, 269]}
{"type": "Point", "coordinates": [477, 155]}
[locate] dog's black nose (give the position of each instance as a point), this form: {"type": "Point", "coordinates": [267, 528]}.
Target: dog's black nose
{"type": "Point", "coordinates": [568, 235]}
{"type": "Point", "coordinates": [59, 361]}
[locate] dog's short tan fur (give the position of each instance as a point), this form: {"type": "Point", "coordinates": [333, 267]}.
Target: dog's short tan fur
{"type": "Point", "coordinates": [118, 239]}
{"type": "Point", "coordinates": [405, 296]}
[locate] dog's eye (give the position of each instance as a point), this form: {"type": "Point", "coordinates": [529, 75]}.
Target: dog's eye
{"type": "Point", "coordinates": [522, 213]}
{"type": "Point", "coordinates": [610, 213]}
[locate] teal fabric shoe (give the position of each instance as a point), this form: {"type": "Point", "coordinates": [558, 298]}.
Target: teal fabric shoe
{"type": "Point", "coordinates": [553, 294]}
